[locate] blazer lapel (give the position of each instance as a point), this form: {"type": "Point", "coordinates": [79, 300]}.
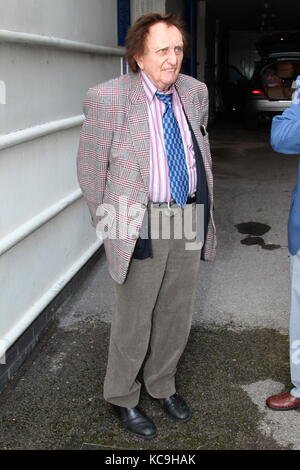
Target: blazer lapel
{"type": "Point", "coordinates": [138, 122]}
{"type": "Point", "coordinates": [139, 127]}
{"type": "Point", "coordinates": [188, 106]}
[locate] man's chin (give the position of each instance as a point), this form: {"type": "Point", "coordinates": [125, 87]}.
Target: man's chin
{"type": "Point", "coordinates": [170, 82]}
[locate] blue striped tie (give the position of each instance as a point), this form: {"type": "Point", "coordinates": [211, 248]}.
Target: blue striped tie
{"type": "Point", "coordinates": [178, 172]}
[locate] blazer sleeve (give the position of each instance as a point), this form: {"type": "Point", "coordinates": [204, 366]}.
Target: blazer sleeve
{"type": "Point", "coordinates": [93, 153]}
{"type": "Point", "coordinates": [203, 99]}
{"type": "Point", "coordinates": [204, 104]}
{"type": "Point", "coordinates": [285, 131]}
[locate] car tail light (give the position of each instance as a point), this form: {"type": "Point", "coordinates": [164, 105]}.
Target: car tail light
{"type": "Point", "coordinates": [257, 93]}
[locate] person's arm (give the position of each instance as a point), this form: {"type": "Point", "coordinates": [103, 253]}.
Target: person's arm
{"type": "Point", "coordinates": [285, 132]}
{"type": "Point", "coordinates": [93, 153]}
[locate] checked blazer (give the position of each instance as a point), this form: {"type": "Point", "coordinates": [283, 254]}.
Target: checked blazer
{"type": "Point", "coordinates": [113, 162]}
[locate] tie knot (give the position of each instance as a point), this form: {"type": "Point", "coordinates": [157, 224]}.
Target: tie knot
{"type": "Point", "coordinates": [167, 99]}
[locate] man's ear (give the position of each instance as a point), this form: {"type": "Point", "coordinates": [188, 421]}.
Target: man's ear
{"type": "Point", "coordinates": [139, 61]}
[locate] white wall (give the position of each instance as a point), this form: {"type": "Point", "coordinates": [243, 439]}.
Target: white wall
{"type": "Point", "coordinates": [45, 84]}
{"type": "Point", "coordinates": [45, 230]}
{"type": "Point", "coordinates": [93, 21]}
{"type": "Point", "coordinates": [141, 7]}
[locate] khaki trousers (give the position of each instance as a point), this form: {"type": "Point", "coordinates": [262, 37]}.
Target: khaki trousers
{"type": "Point", "coordinates": [153, 313]}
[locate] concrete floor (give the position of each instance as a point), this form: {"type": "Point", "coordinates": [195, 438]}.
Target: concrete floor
{"type": "Point", "coordinates": [238, 349]}
{"type": "Point", "coordinates": [248, 286]}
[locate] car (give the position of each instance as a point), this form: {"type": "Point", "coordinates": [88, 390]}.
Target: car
{"type": "Point", "coordinates": [272, 86]}
{"type": "Point", "coordinates": [273, 82]}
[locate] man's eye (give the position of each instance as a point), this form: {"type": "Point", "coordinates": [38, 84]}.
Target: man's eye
{"type": "Point", "coordinates": [165, 50]}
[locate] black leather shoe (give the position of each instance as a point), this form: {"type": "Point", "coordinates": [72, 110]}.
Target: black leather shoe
{"type": "Point", "coordinates": [136, 421]}
{"type": "Point", "coordinates": [176, 407]}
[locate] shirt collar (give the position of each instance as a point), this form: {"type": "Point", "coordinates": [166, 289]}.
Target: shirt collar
{"type": "Point", "coordinates": [150, 88]}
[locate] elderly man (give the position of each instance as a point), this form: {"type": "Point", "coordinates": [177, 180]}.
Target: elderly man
{"type": "Point", "coordinates": [144, 150]}
{"type": "Point", "coordinates": [285, 138]}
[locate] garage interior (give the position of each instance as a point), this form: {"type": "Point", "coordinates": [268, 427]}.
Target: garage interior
{"type": "Point", "coordinates": [233, 28]}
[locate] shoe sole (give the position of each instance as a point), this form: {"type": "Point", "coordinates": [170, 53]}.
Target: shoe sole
{"type": "Point", "coordinates": [185, 420]}
{"type": "Point", "coordinates": [283, 409]}
{"type": "Point", "coordinates": [148, 438]}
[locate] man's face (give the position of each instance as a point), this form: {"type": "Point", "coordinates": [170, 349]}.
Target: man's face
{"type": "Point", "coordinates": [163, 55]}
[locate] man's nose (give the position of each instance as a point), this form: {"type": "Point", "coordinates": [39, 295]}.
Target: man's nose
{"type": "Point", "coordinates": [172, 57]}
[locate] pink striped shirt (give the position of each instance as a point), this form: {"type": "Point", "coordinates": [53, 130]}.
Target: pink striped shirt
{"type": "Point", "coordinates": [159, 190]}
